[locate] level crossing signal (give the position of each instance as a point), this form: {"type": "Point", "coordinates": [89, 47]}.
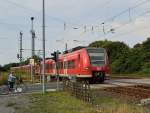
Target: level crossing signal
{"type": "Point", "coordinates": [55, 55]}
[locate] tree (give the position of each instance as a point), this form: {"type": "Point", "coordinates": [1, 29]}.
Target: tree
{"type": "Point", "coordinates": [1, 68]}
{"type": "Point", "coordinates": [117, 52]}
{"type": "Point", "coordinates": [122, 58]}
{"type": "Point", "coordinates": [35, 57]}
{"type": "Point", "coordinates": [8, 66]}
{"type": "Point", "coordinates": [146, 45]}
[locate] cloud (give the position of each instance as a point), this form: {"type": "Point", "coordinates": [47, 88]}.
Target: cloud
{"type": "Point", "coordinates": [15, 16]}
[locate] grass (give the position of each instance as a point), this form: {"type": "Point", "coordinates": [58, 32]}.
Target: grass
{"type": "Point", "coordinates": [62, 102]}
{"type": "Point", "coordinates": [57, 102]}
{"type": "Point", "coordinates": [113, 105]}
{"type": "Point", "coordinates": [10, 104]}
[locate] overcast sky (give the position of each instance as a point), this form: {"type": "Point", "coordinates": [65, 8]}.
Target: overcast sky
{"type": "Point", "coordinates": [129, 19]}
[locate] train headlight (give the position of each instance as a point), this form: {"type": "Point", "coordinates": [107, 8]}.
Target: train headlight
{"type": "Point", "coordinates": [86, 68]}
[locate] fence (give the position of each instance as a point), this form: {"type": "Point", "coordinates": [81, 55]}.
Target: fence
{"type": "Point", "coordinates": [80, 90]}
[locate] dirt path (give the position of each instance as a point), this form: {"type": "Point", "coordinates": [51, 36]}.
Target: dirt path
{"type": "Point", "coordinates": [12, 103]}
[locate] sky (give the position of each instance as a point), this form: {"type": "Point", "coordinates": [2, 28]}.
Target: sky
{"type": "Point", "coordinates": [83, 18]}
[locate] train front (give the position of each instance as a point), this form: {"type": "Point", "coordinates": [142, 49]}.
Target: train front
{"type": "Point", "coordinates": [99, 64]}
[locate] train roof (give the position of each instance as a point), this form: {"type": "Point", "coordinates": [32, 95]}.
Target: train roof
{"type": "Point", "coordinates": [78, 48]}
{"type": "Point", "coordinates": [73, 49]}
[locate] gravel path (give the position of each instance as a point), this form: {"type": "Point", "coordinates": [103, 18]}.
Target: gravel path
{"type": "Point", "coordinates": [12, 103]}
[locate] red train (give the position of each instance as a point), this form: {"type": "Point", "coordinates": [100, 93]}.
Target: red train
{"type": "Point", "coordinates": [81, 63]}
{"type": "Point", "coordinates": [25, 71]}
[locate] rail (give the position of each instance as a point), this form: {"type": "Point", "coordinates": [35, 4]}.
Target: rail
{"type": "Point", "coordinates": [137, 91]}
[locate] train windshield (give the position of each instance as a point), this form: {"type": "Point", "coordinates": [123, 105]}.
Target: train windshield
{"type": "Point", "coordinates": [96, 56]}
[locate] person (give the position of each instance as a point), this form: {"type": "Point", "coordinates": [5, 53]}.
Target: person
{"type": "Point", "coordinates": [11, 81]}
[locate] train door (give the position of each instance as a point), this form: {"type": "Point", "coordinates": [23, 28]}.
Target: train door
{"type": "Point", "coordinates": [79, 64]}
{"type": "Point", "coordinates": [54, 68]}
{"type": "Point", "coordinates": [65, 66]}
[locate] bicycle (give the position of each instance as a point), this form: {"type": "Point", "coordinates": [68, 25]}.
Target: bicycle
{"type": "Point", "coordinates": [19, 87]}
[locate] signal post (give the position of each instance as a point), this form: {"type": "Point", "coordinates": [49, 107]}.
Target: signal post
{"type": "Point", "coordinates": [55, 58]}
{"type": "Point", "coordinates": [32, 68]}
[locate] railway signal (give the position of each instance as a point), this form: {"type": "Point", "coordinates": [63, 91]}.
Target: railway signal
{"type": "Point", "coordinates": [55, 55]}
{"type": "Point", "coordinates": [55, 58]}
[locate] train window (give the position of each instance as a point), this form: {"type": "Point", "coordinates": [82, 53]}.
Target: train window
{"type": "Point", "coordinates": [79, 57]}
{"type": "Point", "coordinates": [97, 56]}
{"type": "Point", "coordinates": [53, 66]}
{"type": "Point", "coordinates": [60, 65]}
{"type": "Point", "coordinates": [50, 66]}
{"type": "Point", "coordinates": [97, 50]}
{"type": "Point", "coordinates": [65, 65]}
{"type": "Point", "coordinates": [71, 64]}
{"type": "Point", "coordinates": [47, 67]}
{"type": "Point", "coordinates": [97, 63]}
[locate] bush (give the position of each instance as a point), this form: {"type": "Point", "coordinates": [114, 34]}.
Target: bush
{"type": "Point", "coordinates": [145, 71]}
{"type": "Point", "coordinates": [3, 79]}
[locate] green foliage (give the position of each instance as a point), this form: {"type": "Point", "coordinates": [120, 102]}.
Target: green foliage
{"type": "Point", "coordinates": [62, 102]}
{"type": "Point", "coordinates": [127, 60]}
{"type": "Point", "coordinates": [122, 58]}
{"type": "Point", "coordinates": [1, 68]}
{"type": "Point", "coordinates": [26, 62]}
{"type": "Point", "coordinates": [3, 78]}
{"type": "Point", "coordinates": [109, 104]}
{"type": "Point", "coordinates": [57, 102]}
{"type": "Point", "coordinates": [115, 49]}
{"type": "Point", "coordinates": [36, 58]}
{"type": "Point", "coordinates": [146, 45]}
{"type": "Point", "coordinates": [8, 66]}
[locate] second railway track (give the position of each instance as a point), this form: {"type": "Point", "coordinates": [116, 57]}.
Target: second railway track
{"type": "Point", "coordinates": [136, 91]}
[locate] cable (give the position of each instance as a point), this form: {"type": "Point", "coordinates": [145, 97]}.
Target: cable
{"type": "Point", "coordinates": [146, 12]}
{"type": "Point", "coordinates": [30, 9]}
{"type": "Point", "coordinates": [142, 14]}
{"type": "Point", "coordinates": [129, 32]}
{"type": "Point", "coordinates": [126, 10]}
{"type": "Point", "coordinates": [126, 33]}
{"type": "Point", "coordinates": [27, 9]}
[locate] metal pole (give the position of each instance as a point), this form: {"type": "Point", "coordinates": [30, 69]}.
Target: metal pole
{"type": "Point", "coordinates": [66, 47]}
{"type": "Point", "coordinates": [31, 67]}
{"type": "Point", "coordinates": [21, 34]}
{"type": "Point", "coordinates": [33, 48]}
{"type": "Point", "coordinates": [103, 28]}
{"type": "Point", "coordinates": [20, 47]}
{"type": "Point", "coordinates": [57, 76]}
{"type": "Point", "coordinates": [33, 37]}
{"type": "Point", "coordinates": [43, 72]}
{"type": "Point", "coordinates": [57, 56]}
{"type": "Point", "coordinates": [64, 26]}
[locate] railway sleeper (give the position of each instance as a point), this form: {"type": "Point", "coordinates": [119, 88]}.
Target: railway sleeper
{"type": "Point", "coordinates": [138, 93]}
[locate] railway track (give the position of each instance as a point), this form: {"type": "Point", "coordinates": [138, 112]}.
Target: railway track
{"type": "Point", "coordinates": [136, 91]}
{"type": "Point", "coordinates": [121, 83]}
{"type": "Point", "coordinates": [130, 81]}
{"type": "Point", "coordinates": [136, 88]}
